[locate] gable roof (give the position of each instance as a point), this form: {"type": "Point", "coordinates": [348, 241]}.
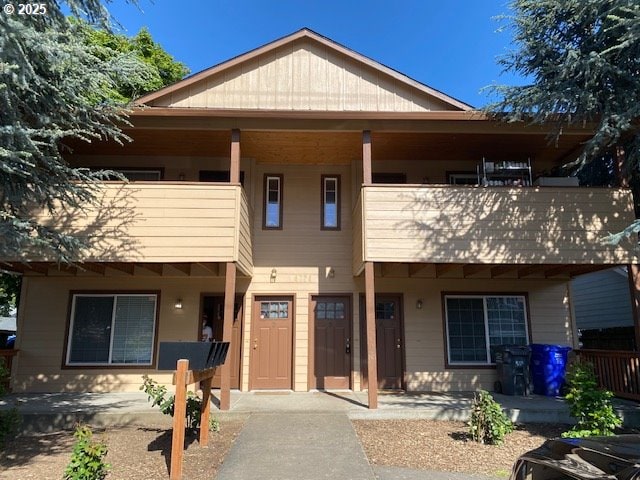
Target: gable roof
{"type": "Point", "coordinates": [199, 90]}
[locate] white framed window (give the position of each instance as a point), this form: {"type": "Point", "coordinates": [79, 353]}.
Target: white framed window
{"type": "Point", "coordinates": [112, 329]}
{"type": "Point", "coordinates": [272, 214]}
{"type": "Point", "coordinates": [330, 202]}
{"type": "Point", "coordinates": [477, 324]}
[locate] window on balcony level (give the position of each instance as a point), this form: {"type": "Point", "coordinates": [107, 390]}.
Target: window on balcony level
{"type": "Point", "coordinates": [112, 329]}
{"type": "Point", "coordinates": [272, 208]}
{"type": "Point", "coordinates": [330, 202]}
{"type": "Point", "coordinates": [477, 324]}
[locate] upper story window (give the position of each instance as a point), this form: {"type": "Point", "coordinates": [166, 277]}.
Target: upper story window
{"type": "Point", "coordinates": [477, 324]}
{"type": "Point", "coordinates": [112, 329]}
{"type": "Point", "coordinates": [272, 214]}
{"type": "Point", "coordinates": [330, 202]}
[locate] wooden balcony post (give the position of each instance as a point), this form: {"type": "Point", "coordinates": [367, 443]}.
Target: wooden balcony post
{"type": "Point", "coordinates": [634, 288]}
{"type": "Point", "coordinates": [234, 168]}
{"type": "Point", "coordinates": [229, 301]}
{"type": "Point", "coordinates": [367, 175]}
{"type": "Point", "coordinates": [372, 357]}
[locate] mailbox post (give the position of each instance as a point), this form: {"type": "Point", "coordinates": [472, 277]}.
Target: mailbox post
{"type": "Point", "coordinates": [207, 357]}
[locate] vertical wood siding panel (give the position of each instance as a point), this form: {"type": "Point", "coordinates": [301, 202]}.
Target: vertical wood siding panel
{"type": "Point", "coordinates": [318, 84]}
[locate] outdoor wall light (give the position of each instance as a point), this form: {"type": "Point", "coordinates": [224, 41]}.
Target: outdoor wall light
{"type": "Point", "coordinates": [178, 304]}
{"type": "Point", "coordinates": [274, 273]}
{"type": "Point", "coordinates": [331, 272]}
{"type": "Point", "coordinates": [419, 304]}
{"type": "Point", "coordinates": [181, 177]}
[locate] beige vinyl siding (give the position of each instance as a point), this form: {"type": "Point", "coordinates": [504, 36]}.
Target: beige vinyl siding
{"type": "Point", "coordinates": [425, 334]}
{"type": "Point", "coordinates": [304, 75]}
{"type": "Point", "coordinates": [245, 257]}
{"type": "Point", "coordinates": [301, 253]}
{"type": "Point", "coordinates": [495, 225]}
{"type": "Point", "coordinates": [45, 315]}
{"type": "Point", "coordinates": [159, 222]}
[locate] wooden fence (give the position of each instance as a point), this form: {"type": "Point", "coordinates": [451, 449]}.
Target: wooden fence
{"type": "Point", "coordinates": [617, 370]}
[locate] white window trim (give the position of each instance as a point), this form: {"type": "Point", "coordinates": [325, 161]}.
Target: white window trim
{"type": "Point", "coordinates": [115, 296]}
{"type": "Point", "coordinates": [486, 326]}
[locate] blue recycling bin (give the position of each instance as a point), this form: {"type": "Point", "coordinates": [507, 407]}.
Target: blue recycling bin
{"type": "Point", "coordinates": [548, 368]}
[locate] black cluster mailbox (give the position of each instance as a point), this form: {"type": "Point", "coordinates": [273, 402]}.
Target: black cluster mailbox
{"type": "Point", "coordinates": [201, 355]}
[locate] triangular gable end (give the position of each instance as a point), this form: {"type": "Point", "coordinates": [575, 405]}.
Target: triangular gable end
{"type": "Point", "coordinates": [302, 72]}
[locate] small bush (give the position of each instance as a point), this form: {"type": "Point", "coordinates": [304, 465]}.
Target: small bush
{"type": "Point", "coordinates": [87, 458]}
{"type": "Point", "coordinates": [589, 405]}
{"type": "Point", "coordinates": [166, 402]}
{"type": "Point", "coordinates": [488, 424]}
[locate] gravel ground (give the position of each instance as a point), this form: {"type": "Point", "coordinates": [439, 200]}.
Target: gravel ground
{"type": "Point", "coordinates": [135, 453]}
{"type": "Point", "coordinates": [445, 446]}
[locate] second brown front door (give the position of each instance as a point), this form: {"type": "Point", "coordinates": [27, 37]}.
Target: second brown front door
{"type": "Point", "coordinates": [271, 343]}
{"type": "Point", "coordinates": [389, 341]}
{"type": "Point", "coordinates": [331, 367]}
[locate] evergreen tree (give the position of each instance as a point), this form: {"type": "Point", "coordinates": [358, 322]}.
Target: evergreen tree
{"type": "Point", "coordinates": [583, 60]}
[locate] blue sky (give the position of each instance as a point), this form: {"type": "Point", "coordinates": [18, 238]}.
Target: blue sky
{"type": "Point", "coordinates": [450, 45]}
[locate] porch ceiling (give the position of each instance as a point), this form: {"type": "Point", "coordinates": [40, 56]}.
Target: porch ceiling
{"type": "Point", "coordinates": [109, 269]}
{"type": "Point", "coordinates": [483, 271]}
{"type": "Point", "coordinates": [340, 147]}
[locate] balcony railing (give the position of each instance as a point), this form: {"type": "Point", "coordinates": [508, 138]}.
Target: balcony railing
{"type": "Point", "coordinates": [162, 222]}
{"type": "Point", "coordinates": [6, 357]}
{"type": "Point", "coordinates": [508, 225]}
{"type": "Point", "coordinates": [617, 371]}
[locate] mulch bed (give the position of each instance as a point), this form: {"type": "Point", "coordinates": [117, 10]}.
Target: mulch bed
{"type": "Point", "coordinates": [445, 446]}
{"type": "Point", "coordinates": [135, 453]}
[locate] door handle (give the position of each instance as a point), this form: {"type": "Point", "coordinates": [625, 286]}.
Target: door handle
{"type": "Point", "coordinates": [255, 343]}
{"type": "Point", "coordinates": [398, 343]}
{"type": "Point", "coordinates": [348, 350]}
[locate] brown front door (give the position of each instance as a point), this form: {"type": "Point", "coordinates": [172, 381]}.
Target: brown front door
{"type": "Point", "coordinates": [389, 341]}
{"type": "Point", "coordinates": [213, 307]}
{"type": "Point", "coordinates": [271, 343]}
{"type": "Point", "coordinates": [331, 342]}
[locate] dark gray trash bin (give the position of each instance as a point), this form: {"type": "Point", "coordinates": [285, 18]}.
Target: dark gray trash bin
{"type": "Point", "coordinates": [512, 366]}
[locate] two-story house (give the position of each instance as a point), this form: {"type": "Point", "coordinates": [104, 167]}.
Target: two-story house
{"type": "Point", "coordinates": [342, 224]}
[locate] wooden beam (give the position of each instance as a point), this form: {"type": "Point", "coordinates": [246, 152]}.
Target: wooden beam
{"type": "Point", "coordinates": [93, 267]}
{"type": "Point", "coordinates": [180, 407]}
{"type": "Point", "coordinates": [502, 269]}
{"type": "Point", "coordinates": [152, 267]}
{"type": "Point", "coordinates": [372, 358]}
{"type": "Point", "coordinates": [128, 268]}
{"type": "Point", "coordinates": [234, 168]}
{"type": "Point", "coordinates": [416, 268]}
{"type": "Point", "coordinates": [227, 328]}
{"type": "Point", "coordinates": [367, 175]}
{"type": "Point", "coordinates": [182, 267]}
{"type": "Point", "coordinates": [444, 268]}
{"type": "Point", "coordinates": [559, 270]}
{"type": "Point", "coordinates": [529, 270]}
{"type": "Point", "coordinates": [42, 268]}
{"type": "Point", "coordinates": [633, 273]}
{"type": "Point", "coordinates": [211, 267]}
{"type": "Point", "coordinates": [471, 269]}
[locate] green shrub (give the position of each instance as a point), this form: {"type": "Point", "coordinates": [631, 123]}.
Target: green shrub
{"type": "Point", "coordinates": [488, 424]}
{"type": "Point", "coordinates": [87, 458]}
{"type": "Point", "coordinates": [589, 405]}
{"type": "Point", "coordinates": [166, 402]}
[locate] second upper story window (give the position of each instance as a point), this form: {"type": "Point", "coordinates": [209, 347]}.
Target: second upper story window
{"type": "Point", "coordinates": [272, 218]}
{"type": "Point", "coordinates": [330, 202]}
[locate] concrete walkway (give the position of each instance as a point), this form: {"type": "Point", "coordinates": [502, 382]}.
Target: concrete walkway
{"type": "Point", "coordinates": [55, 411]}
{"type": "Point", "coordinates": [296, 446]}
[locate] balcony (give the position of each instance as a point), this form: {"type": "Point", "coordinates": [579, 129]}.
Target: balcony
{"type": "Point", "coordinates": [465, 225]}
{"type": "Point", "coordinates": [150, 223]}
